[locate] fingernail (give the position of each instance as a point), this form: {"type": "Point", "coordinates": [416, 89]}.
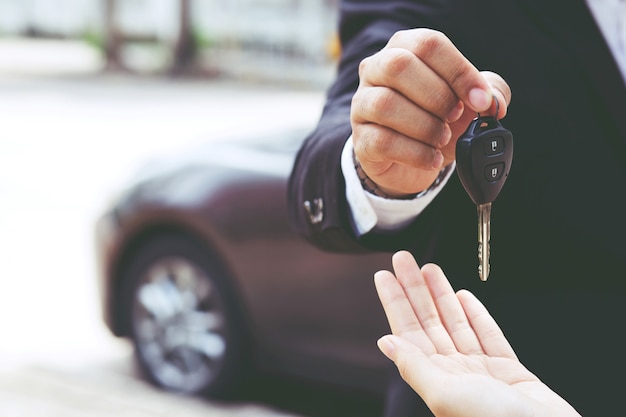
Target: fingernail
{"type": "Point", "coordinates": [438, 160]}
{"type": "Point", "coordinates": [386, 346]}
{"type": "Point", "coordinates": [480, 99]}
{"type": "Point", "coordinates": [456, 112]}
{"type": "Point", "coordinates": [446, 136]}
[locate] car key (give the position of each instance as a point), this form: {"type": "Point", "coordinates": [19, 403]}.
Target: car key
{"type": "Point", "coordinates": [483, 160]}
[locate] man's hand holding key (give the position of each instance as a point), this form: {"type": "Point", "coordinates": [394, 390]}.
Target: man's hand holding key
{"type": "Point", "coordinates": [415, 98]}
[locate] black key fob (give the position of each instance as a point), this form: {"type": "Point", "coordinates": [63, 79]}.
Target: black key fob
{"type": "Point", "coordinates": [483, 158]}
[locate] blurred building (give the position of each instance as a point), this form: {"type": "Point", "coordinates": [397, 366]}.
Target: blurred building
{"type": "Point", "coordinates": [278, 40]}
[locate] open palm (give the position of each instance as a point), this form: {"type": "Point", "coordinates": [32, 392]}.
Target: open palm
{"type": "Point", "coordinates": [450, 350]}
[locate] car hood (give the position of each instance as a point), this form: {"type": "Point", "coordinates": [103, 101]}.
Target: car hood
{"type": "Point", "coordinates": [270, 155]}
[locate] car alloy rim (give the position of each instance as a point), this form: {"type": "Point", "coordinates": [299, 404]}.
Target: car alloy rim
{"type": "Point", "coordinates": [179, 324]}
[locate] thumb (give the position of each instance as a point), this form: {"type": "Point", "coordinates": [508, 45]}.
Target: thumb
{"type": "Point", "coordinates": [387, 346]}
{"type": "Point", "coordinates": [413, 364]}
{"type": "Point", "coordinates": [398, 349]}
{"type": "Point", "coordinates": [501, 92]}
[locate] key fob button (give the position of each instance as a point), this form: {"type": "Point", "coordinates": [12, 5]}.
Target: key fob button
{"type": "Point", "coordinates": [493, 172]}
{"type": "Point", "coordinates": [494, 146]}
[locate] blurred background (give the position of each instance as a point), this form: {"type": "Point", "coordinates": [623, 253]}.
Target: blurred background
{"type": "Point", "coordinates": [89, 89]}
{"type": "Point", "coordinates": [290, 41]}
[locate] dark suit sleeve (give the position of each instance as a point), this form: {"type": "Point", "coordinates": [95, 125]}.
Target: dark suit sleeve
{"type": "Point", "coordinates": [365, 28]}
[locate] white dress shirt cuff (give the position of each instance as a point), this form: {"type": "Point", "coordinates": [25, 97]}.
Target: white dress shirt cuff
{"type": "Point", "coordinates": [370, 211]}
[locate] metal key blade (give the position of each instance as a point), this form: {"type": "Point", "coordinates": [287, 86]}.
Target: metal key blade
{"type": "Point", "coordinates": [484, 235]}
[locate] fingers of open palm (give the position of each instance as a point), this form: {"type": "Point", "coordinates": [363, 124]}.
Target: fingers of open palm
{"type": "Point", "coordinates": [387, 107]}
{"type": "Point", "coordinates": [421, 300]}
{"type": "Point", "coordinates": [489, 334]}
{"type": "Point", "coordinates": [398, 68]}
{"type": "Point", "coordinates": [451, 311]}
{"type": "Point", "coordinates": [439, 54]}
{"type": "Point", "coordinates": [399, 312]}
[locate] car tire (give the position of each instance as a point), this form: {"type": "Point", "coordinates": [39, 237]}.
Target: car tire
{"type": "Point", "coordinates": [187, 333]}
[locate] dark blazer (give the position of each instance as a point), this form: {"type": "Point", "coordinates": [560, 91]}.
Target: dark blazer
{"type": "Point", "coordinates": [558, 234]}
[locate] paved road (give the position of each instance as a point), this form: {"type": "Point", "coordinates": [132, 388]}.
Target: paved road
{"type": "Point", "coordinates": [99, 388]}
{"type": "Point", "coordinates": [67, 143]}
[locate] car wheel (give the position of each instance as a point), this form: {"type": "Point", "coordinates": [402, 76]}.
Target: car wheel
{"type": "Point", "coordinates": [187, 334]}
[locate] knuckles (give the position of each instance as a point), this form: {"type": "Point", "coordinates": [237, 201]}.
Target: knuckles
{"type": "Point", "coordinates": [385, 66]}
{"type": "Point", "coordinates": [373, 104]}
{"type": "Point", "coordinates": [421, 41]}
{"type": "Point", "coordinates": [429, 42]}
{"type": "Point", "coordinates": [371, 141]}
{"type": "Point", "coordinates": [379, 103]}
{"type": "Point", "coordinates": [394, 62]}
{"type": "Point", "coordinates": [363, 67]}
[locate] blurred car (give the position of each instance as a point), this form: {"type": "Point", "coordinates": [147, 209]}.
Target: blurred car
{"type": "Point", "coordinates": [199, 267]}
